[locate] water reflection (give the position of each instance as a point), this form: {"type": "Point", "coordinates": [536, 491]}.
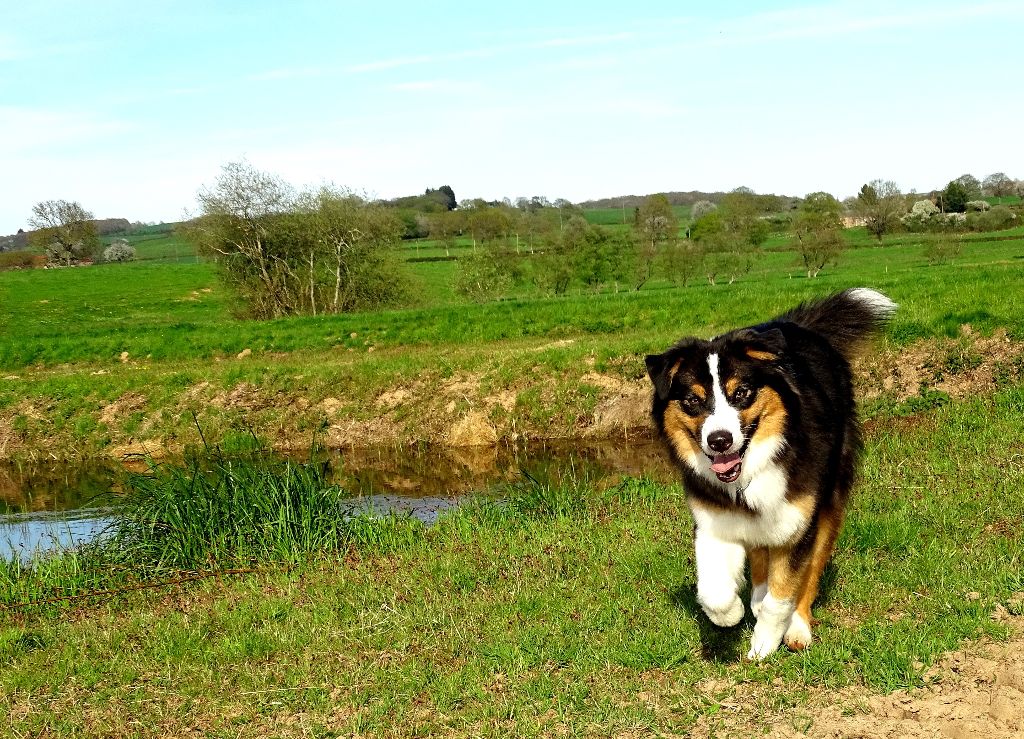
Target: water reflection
{"type": "Point", "coordinates": [26, 535]}
{"type": "Point", "coordinates": [47, 507]}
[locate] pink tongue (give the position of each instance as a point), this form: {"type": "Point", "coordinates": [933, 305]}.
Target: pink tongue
{"type": "Point", "coordinates": [724, 462]}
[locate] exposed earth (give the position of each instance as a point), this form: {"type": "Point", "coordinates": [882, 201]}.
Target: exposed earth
{"type": "Point", "coordinates": [977, 691]}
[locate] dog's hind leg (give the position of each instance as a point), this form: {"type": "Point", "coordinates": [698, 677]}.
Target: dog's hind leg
{"type": "Point", "coordinates": [758, 557]}
{"type": "Point", "coordinates": [798, 635]}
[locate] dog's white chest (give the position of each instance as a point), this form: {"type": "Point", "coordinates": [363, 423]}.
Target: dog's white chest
{"type": "Point", "coordinates": [774, 522]}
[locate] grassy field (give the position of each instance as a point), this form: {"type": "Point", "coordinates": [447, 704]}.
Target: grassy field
{"type": "Point", "coordinates": [565, 610]}
{"type": "Point", "coordinates": [619, 216]}
{"type": "Point", "coordinates": [108, 358]}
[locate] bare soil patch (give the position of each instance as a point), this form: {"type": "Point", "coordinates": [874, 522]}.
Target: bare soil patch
{"type": "Point", "coordinates": [975, 691]}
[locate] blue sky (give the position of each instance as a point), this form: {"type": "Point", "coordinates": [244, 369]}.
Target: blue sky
{"type": "Point", "coordinates": [130, 107]}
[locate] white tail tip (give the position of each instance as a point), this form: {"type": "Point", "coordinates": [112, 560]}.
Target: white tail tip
{"type": "Point", "coordinates": [876, 302]}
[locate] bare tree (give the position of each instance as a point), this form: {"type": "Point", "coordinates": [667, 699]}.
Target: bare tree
{"type": "Point", "coordinates": [65, 230]}
{"type": "Point", "coordinates": [325, 251]}
{"type": "Point", "coordinates": [656, 228]}
{"type": "Point", "coordinates": [880, 203]}
{"type": "Point", "coordinates": [997, 185]}
{"type": "Point", "coordinates": [818, 232]}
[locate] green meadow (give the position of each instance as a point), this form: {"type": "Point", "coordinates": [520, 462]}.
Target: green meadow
{"type": "Point", "coordinates": [564, 607]}
{"type": "Point", "coordinates": [101, 358]}
{"type": "Point", "coordinates": [239, 596]}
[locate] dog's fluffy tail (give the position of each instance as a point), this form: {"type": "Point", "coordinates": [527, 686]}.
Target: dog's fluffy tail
{"type": "Point", "coordinates": [847, 319]}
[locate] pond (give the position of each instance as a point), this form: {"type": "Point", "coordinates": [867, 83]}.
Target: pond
{"type": "Point", "coordinates": [43, 508]}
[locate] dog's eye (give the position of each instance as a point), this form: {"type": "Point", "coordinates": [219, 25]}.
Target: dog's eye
{"type": "Point", "coordinates": [742, 394]}
{"type": "Point", "coordinates": [691, 404]}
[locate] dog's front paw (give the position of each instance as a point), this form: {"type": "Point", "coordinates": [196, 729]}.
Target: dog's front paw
{"type": "Point", "coordinates": [728, 614]}
{"type": "Point", "coordinates": [763, 644]}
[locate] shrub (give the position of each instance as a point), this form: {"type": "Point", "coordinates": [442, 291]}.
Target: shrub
{"type": "Point", "coordinates": [702, 208]}
{"type": "Point", "coordinates": [995, 219]}
{"type": "Point", "coordinates": [480, 278]}
{"type": "Point", "coordinates": [119, 251]}
{"type": "Point", "coordinates": [942, 249]}
{"type": "Point", "coordinates": [924, 208]}
{"type": "Point", "coordinates": [974, 206]}
{"type": "Point", "coordinates": [19, 259]}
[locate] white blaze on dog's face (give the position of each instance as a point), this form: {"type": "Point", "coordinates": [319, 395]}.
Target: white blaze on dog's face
{"type": "Point", "coordinates": [722, 433]}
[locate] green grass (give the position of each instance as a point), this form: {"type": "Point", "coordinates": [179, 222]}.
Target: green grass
{"type": "Point", "coordinates": [170, 311]}
{"type": "Point", "coordinates": [158, 244]}
{"type": "Point", "coordinates": [64, 333]}
{"type": "Point", "coordinates": [566, 609]}
{"type": "Point", "coordinates": [619, 216]}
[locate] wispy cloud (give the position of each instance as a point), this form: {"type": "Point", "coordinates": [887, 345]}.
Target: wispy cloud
{"type": "Point", "coordinates": [440, 86]}
{"type": "Point", "coordinates": [23, 128]}
{"type": "Point", "coordinates": [831, 20]}
{"type": "Point", "coordinates": [288, 73]}
{"type": "Point", "coordinates": [491, 51]}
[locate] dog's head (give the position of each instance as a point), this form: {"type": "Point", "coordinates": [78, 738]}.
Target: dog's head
{"type": "Point", "coordinates": [721, 404]}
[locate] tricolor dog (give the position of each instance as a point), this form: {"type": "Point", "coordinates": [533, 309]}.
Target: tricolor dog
{"type": "Point", "coordinates": [762, 423]}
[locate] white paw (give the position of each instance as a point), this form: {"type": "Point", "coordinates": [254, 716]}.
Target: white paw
{"type": "Point", "coordinates": [798, 635]}
{"type": "Point", "coordinates": [729, 614]}
{"type": "Point", "coordinates": [763, 643]}
{"type": "Point", "coordinates": [757, 598]}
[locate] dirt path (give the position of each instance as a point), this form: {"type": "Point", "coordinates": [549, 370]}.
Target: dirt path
{"type": "Point", "coordinates": [977, 691]}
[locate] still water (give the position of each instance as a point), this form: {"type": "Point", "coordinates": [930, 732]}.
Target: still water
{"type": "Point", "coordinates": [46, 508]}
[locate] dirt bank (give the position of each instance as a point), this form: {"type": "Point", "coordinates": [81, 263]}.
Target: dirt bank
{"type": "Point", "coordinates": [460, 410]}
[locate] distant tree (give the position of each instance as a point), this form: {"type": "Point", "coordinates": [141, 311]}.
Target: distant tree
{"type": "Point", "coordinates": [325, 251]}
{"type": "Point", "coordinates": [119, 251]}
{"type": "Point", "coordinates": [488, 223]}
{"type": "Point", "coordinates": [997, 185]}
{"type": "Point", "coordinates": [971, 185]}
{"type": "Point", "coordinates": [702, 208]}
{"type": "Point", "coordinates": [450, 201]}
{"type": "Point", "coordinates": [349, 247]}
{"type": "Point", "coordinates": [656, 227]}
{"type": "Point", "coordinates": [818, 232]}
{"type": "Point", "coordinates": [238, 227]}
{"type": "Point", "coordinates": [709, 233]}
{"type": "Point", "coordinates": [880, 204]}
{"type": "Point", "coordinates": [444, 228]}
{"type": "Point", "coordinates": [680, 261]}
{"type": "Point", "coordinates": [64, 230]}
{"type": "Point", "coordinates": [955, 197]}
{"type": "Point", "coordinates": [741, 212]}
{"type": "Point", "coordinates": [942, 249]}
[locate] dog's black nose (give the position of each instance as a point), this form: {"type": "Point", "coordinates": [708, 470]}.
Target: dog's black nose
{"type": "Point", "coordinates": [719, 441]}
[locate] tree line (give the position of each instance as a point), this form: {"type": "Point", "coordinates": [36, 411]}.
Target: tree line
{"type": "Point", "coordinates": [330, 250]}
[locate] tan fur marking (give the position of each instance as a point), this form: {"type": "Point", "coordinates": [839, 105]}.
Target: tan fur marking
{"type": "Point", "coordinates": [731, 384]}
{"type": "Point", "coordinates": [760, 355]}
{"type": "Point", "coordinates": [682, 430]}
{"type": "Point", "coordinates": [699, 391]}
{"type": "Point", "coordinates": [758, 557]}
{"type": "Point", "coordinates": [767, 407]}
{"type": "Point", "coordinates": [783, 581]}
{"type": "Point", "coordinates": [829, 522]}
{"type": "Point", "coordinates": [673, 370]}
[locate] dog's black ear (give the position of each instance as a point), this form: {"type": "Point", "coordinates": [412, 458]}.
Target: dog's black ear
{"type": "Point", "coordinates": [765, 346]}
{"type": "Point", "coordinates": [658, 370]}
